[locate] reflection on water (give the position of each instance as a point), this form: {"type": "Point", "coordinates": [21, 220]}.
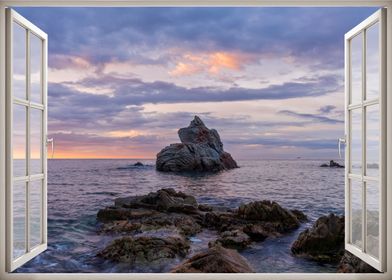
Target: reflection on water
{"type": "Point", "coordinates": [78, 188]}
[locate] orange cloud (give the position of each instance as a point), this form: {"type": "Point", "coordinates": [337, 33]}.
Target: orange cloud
{"type": "Point", "coordinates": [212, 63]}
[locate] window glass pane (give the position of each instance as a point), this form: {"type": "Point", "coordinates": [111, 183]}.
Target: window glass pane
{"type": "Point", "coordinates": [356, 141]}
{"type": "Point", "coordinates": [372, 218]}
{"type": "Point", "coordinates": [356, 212]}
{"type": "Point", "coordinates": [36, 141]}
{"type": "Point", "coordinates": [372, 140]}
{"type": "Point", "coordinates": [19, 61]}
{"type": "Point", "coordinates": [356, 69]}
{"type": "Point", "coordinates": [372, 62]}
{"type": "Point", "coordinates": [19, 219]}
{"type": "Point", "coordinates": [35, 212]}
{"type": "Point", "coordinates": [36, 63]}
{"type": "Point", "coordinates": [19, 140]}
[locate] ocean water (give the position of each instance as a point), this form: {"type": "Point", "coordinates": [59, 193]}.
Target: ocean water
{"type": "Point", "coordinates": [77, 189]}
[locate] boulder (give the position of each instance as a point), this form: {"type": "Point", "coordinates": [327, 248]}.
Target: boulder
{"type": "Point", "coordinates": [163, 200]}
{"type": "Point", "coordinates": [165, 208]}
{"type": "Point", "coordinates": [138, 164]}
{"type": "Point", "coordinates": [234, 239]}
{"type": "Point", "coordinates": [144, 249]}
{"type": "Point", "coordinates": [271, 214]}
{"type": "Point", "coordinates": [215, 260]}
{"type": "Point", "coordinates": [351, 264]}
{"type": "Point", "coordinates": [323, 242]}
{"type": "Point", "coordinates": [200, 150]}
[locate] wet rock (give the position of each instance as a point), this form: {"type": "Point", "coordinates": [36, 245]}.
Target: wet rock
{"type": "Point", "coordinates": [119, 213]}
{"type": "Point", "coordinates": [271, 213]}
{"type": "Point", "coordinates": [215, 260]}
{"type": "Point", "coordinates": [144, 249]}
{"type": "Point", "coordinates": [333, 164]}
{"type": "Point", "coordinates": [234, 239]}
{"type": "Point", "coordinates": [138, 164]}
{"type": "Point", "coordinates": [205, 208]}
{"type": "Point", "coordinates": [162, 200]}
{"type": "Point", "coordinates": [124, 226]}
{"type": "Point", "coordinates": [256, 232]}
{"type": "Point", "coordinates": [351, 264]}
{"type": "Point", "coordinates": [323, 242]}
{"type": "Point", "coordinates": [301, 216]}
{"type": "Point", "coordinates": [200, 150]}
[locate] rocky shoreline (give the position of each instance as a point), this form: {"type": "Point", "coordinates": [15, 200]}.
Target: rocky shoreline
{"type": "Point", "coordinates": [157, 228]}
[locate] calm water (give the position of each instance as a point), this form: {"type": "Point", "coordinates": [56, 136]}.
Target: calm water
{"type": "Point", "coordinates": [79, 188]}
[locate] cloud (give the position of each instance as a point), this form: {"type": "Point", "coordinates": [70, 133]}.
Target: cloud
{"type": "Point", "coordinates": [327, 109]}
{"type": "Point", "coordinates": [134, 91]}
{"type": "Point", "coordinates": [312, 117]}
{"type": "Point", "coordinates": [211, 63]}
{"type": "Point", "coordinates": [313, 144]}
{"type": "Point", "coordinates": [276, 31]}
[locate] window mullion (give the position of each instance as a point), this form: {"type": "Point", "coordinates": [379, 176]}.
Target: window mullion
{"type": "Point", "coordinates": [364, 167]}
{"type": "Point", "coordinates": [28, 167]}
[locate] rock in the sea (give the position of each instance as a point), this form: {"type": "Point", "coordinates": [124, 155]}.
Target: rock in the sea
{"type": "Point", "coordinates": [215, 260]}
{"type": "Point", "coordinates": [162, 200]}
{"type": "Point", "coordinates": [351, 264]}
{"type": "Point", "coordinates": [323, 242]}
{"type": "Point", "coordinates": [144, 249]}
{"type": "Point", "coordinates": [138, 164]}
{"type": "Point", "coordinates": [234, 239]}
{"type": "Point", "coordinates": [332, 163]}
{"type": "Point", "coordinates": [270, 212]}
{"type": "Point", "coordinates": [200, 150]}
{"type": "Point", "coordinates": [165, 208]}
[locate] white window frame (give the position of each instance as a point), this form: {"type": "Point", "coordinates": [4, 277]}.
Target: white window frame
{"type": "Point", "coordinates": [380, 263]}
{"type": "Point", "coordinates": [178, 3]}
{"type": "Point", "coordinates": [14, 18]}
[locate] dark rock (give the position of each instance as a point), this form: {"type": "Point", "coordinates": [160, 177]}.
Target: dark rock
{"type": "Point", "coordinates": [351, 264]}
{"type": "Point", "coordinates": [256, 232]}
{"type": "Point", "coordinates": [138, 164]}
{"type": "Point", "coordinates": [124, 226]}
{"type": "Point", "coordinates": [269, 212]}
{"type": "Point", "coordinates": [301, 216]}
{"type": "Point", "coordinates": [118, 213]}
{"type": "Point", "coordinates": [163, 200]}
{"type": "Point", "coordinates": [323, 242]}
{"type": "Point", "coordinates": [332, 163]}
{"type": "Point", "coordinates": [215, 260]}
{"type": "Point", "coordinates": [205, 208]}
{"type": "Point", "coordinates": [200, 150]}
{"type": "Point", "coordinates": [234, 239]}
{"type": "Point", "coordinates": [144, 249]}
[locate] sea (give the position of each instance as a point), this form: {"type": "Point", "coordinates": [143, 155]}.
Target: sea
{"type": "Point", "coordinates": [77, 189]}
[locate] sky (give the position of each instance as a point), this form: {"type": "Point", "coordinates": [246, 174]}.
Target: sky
{"type": "Point", "coordinates": [122, 81]}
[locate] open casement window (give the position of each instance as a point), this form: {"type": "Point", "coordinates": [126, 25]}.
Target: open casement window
{"type": "Point", "coordinates": [26, 140]}
{"type": "Point", "coordinates": [366, 140]}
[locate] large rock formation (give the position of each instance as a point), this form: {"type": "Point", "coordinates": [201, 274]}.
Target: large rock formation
{"type": "Point", "coordinates": [167, 217]}
{"type": "Point", "coordinates": [215, 260]}
{"type": "Point", "coordinates": [324, 241]}
{"type": "Point", "coordinates": [201, 149]}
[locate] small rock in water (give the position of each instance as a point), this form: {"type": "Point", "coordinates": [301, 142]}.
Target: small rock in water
{"type": "Point", "coordinates": [200, 150]}
{"type": "Point", "coordinates": [215, 260]}
{"type": "Point", "coordinates": [138, 164]}
{"type": "Point", "coordinates": [332, 163]}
